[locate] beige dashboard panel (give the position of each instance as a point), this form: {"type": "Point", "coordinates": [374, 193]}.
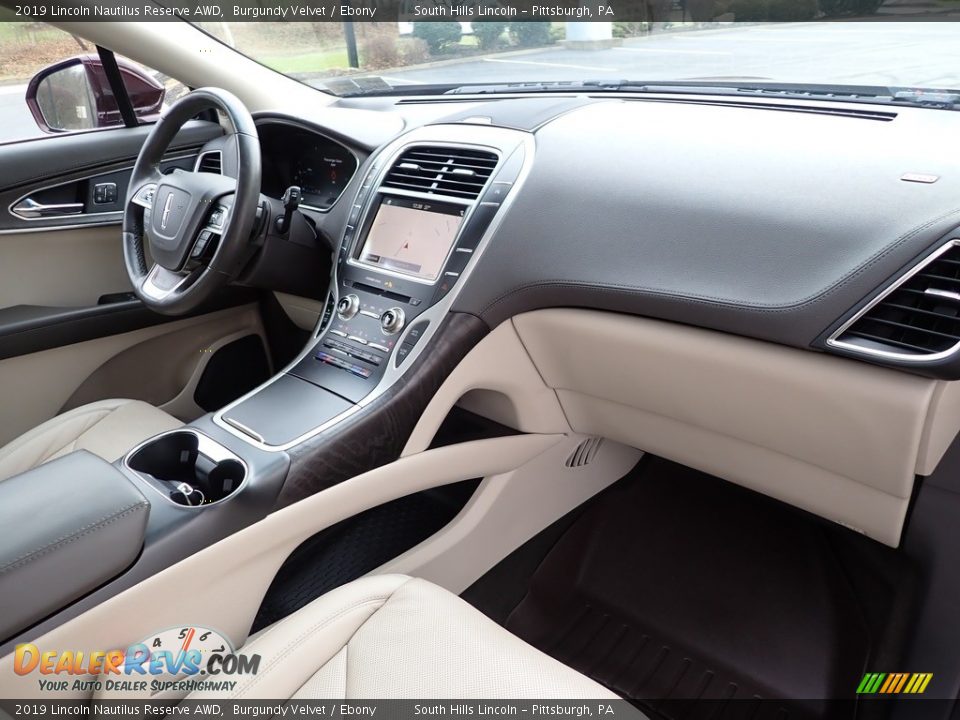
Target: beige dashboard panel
{"type": "Point", "coordinates": [836, 437]}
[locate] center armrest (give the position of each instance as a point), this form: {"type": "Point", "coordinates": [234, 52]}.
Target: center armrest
{"type": "Point", "coordinates": [66, 527]}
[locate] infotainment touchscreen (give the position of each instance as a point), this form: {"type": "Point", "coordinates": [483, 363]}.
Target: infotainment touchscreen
{"type": "Point", "coordinates": [412, 237]}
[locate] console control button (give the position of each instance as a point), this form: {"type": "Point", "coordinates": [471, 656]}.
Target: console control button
{"type": "Point", "coordinates": [348, 306]}
{"type": "Point", "coordinates": [358, 340]}
{"type": "Point", "coordinates": [354, 215]}
{"type": "Point", "coordinates": [344, 365]}
{"type": "Point", "coordinates": [497, 192]}
{"type": "Point", "coordinates": [378, 346]}
{"type": "Point", "coordinates": [443, 287]}
{"type": "Point", "coordinates": [391, 321]}
{"type": "Point", "coordinates": [416, 332]}
{"type": "Point", "coordinates": [402, 352]}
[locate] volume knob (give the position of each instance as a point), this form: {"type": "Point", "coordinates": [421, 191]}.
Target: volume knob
{"type": "Point", "coordinates": [392, 320]}
{"type": "Point", "coordinates": [348, 306]}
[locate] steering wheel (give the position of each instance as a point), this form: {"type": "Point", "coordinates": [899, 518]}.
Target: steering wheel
{"type": "Point", "coordinates": [196, 226]}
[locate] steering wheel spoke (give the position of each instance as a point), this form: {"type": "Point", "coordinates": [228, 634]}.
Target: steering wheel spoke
{"type": "Point", "coordinates": [144, 196]}
{"type": "Point", "coordinates": [160, 283]}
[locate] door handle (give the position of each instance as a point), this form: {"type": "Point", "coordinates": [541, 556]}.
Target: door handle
{"type": "Point", "coordinates": [30, 209]}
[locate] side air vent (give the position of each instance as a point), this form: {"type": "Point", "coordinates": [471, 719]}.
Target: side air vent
{"type": "Point", "coordinates": [584, 452]}
{"type": "Point", "coordinates": [918, 318]}
{"type": "Point", "coordinates": [456, 171]}
{"type": "Point", "coordinates": [210, 162]}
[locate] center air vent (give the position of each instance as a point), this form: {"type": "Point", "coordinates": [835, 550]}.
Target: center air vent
{"type": "Point", "coordinates": [210, 162]}
{"type": "Point", "coordinates": [918, 318]}
{"type": "Point", "coordinates": [457, 172]}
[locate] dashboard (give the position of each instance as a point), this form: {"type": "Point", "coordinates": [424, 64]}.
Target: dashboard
{"type": "Point", "coordinates": [295, 155]}
{"type": "Point", "coordinates": [784, 243]}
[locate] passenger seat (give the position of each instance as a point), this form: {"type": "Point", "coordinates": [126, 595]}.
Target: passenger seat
{"type": "Point", "coordinates": [391, 636]}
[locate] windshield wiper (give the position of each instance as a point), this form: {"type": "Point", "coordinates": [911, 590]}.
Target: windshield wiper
{"type": "Point", "coordinates": [943, 99]}
{"type": "Point", "coordinates": [927, 98]}
{"type": "Point", "coordinates": [547, 86]}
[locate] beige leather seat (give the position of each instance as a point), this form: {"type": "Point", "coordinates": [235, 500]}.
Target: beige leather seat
{"type": "Point", "coordinates": [108, 428]}
{"type": "Point", "coordinates": [391, 636]}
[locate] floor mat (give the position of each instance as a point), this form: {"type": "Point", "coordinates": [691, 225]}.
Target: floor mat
{"type": "Point", "coordinates": [675, 585]}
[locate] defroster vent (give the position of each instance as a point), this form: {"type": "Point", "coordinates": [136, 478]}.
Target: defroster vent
{"type": "Point", "coordinates": [917, 318]}
{"type": "Point", "coordinates": [453, 171]}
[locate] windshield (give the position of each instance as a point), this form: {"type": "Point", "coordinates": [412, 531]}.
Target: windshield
{"type": "Point", "coordinates": [408, 55]}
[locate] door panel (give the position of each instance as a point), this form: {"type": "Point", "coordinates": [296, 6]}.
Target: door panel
{"type": "Point", "coordinates": [63, 268]}
{"type": "Point", "coordinates": [145, 364]}
{"type": "Point", "coordinates": [71, 331]}
{"type": "Point", "coordinates": [35, 166]}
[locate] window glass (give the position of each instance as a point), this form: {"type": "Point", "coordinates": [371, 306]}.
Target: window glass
{"type": "Point", "coordinates": [76, 96]}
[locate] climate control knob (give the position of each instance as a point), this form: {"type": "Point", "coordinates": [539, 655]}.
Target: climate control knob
{"type": "Point", "coordinates": [347, 307]}
{"type": "Point", "coordinates": [392, 320]}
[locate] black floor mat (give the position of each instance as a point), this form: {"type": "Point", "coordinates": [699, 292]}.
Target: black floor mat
{"type": "Point", "coordinates": [357, 545]}
{"type": "Point", "coordinates": [675, 585]}
{"type": "Point", "coordinates": [354, 547]}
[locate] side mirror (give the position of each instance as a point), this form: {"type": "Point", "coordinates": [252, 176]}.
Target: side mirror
{"type": "Point", "coordinates": [75, 94]}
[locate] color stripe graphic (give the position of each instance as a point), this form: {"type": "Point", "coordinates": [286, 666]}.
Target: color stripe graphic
{"type": "Point", "coordinates": [894, 683]}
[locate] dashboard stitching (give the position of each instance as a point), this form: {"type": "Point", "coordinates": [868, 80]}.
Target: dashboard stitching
{"type": "Point", "coordinates": [714, 300]}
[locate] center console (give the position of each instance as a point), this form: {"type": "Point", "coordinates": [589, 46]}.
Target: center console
{"type": "Point", "coordinates": [424, 210]}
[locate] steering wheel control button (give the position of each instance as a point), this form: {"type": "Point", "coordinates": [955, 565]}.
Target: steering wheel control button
{"type": "Point", "coordinates": [391, 321]}
{"type": "Point", "coordinates": [347, 307]}
{"type": "Point", "coordinates": [218, 216]}
{"type": "Point", "coordinates": [203, 239]}
{"type": "Point", "coordinates": [144, 196]}
{"type": "Point", "coordinates": [416, 332]}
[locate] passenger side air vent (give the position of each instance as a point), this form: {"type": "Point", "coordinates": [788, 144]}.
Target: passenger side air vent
{"type": "Point", "coordinates": [584, 452]}
{"type": "Point", "coordinates": [454, 171]}
{"type": "Point", "coordinates": [917, 318]}
{"type": "Point", "coordinates": [210, 162]}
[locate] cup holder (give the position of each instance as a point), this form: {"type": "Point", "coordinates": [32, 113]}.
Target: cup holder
{"type": "Point", "coordinates": [189, 468]}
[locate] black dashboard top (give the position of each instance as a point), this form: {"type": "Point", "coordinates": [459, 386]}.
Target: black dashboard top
{"type": "Point", "coordinates": [773, 220]}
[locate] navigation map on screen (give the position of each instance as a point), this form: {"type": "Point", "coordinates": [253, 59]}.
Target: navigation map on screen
{"type": "Point", "coordinates": [412, 236]}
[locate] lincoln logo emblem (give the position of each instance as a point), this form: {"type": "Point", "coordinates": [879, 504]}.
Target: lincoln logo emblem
{"type": "Point", "coordinates": [166, 211]}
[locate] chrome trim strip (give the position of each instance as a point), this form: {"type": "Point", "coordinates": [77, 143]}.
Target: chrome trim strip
{"type": "Point", "coordinates": [243, 428]}
{"type": "Point", "coordinates": [943, 293]}
{"type": "Point", "coordinates": [509, 141]}
{"type": "Point", "coordinates": [206, 445]}
{"type": "Point", "coordinates": [833, 342]}
{"type": "Point", "coordinates": [116, 219]}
